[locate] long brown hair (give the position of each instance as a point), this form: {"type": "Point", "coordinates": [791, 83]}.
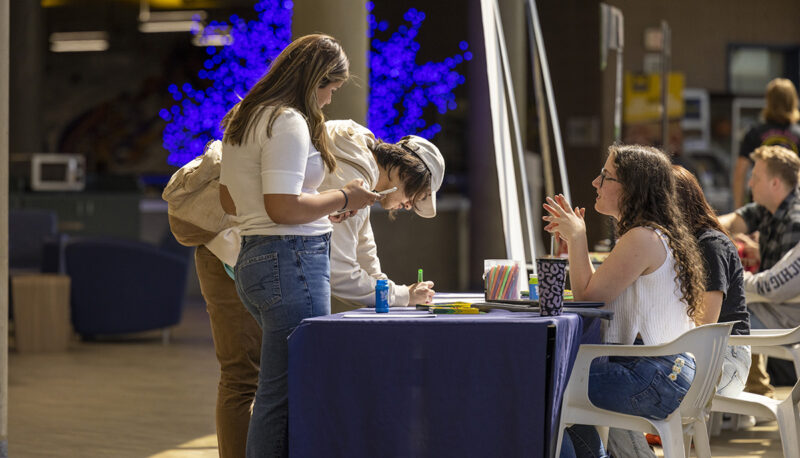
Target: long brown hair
{"type": "Point", "coordinates": [648, 199]}
{"type": "Point", "coordinates": [308, 63]}
{"type": "Point", "coordinates": [693, 204]}
{"type": "Point", "coordinates": [781, 106]}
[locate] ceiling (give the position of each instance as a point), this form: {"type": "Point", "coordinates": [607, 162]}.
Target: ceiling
{"type": "Point", "coordinates": [155, 4]}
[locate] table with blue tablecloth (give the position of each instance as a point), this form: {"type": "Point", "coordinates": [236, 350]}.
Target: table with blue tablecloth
{"type": "Point", "coordinates": [487, 385]}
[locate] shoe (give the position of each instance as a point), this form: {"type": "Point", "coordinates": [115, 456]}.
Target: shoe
{"type": "Point", "coordinates": [727, 421]}
{"type": "Point", "coordinates": [653, 439]}
{"type": "Point", "coordinates": [746, 421]}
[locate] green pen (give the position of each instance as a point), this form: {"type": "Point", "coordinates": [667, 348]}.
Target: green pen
{"type": "Point", "coordinates": [419, 276]}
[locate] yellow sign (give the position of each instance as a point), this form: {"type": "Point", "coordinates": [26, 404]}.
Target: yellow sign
{"type": "Point", "coordinates": [642, 97]}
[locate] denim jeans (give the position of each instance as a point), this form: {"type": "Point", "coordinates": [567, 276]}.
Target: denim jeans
{"type": "Point", "coordinates": [651, 387]}
{"type": "Point", "coordinates": [735, 367]}
{"type": "Point", "coordinates": [281, 281]}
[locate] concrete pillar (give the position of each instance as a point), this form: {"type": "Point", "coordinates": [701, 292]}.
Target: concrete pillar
{"type": "Point", "coordinates": [27, 30]}
{"type": "Point", "coordinates": [4, 67]}
{"type": "Point", "coordinates": [346, 20]}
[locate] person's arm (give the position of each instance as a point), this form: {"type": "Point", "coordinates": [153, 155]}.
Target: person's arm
{"type": "Point", "coordinates": [569, 225]}
{"type": "Point", "coordinates": [636, 252]}
{"type": "Point", "coordinates": [717, 253]}
{"type": "Point", "coordinates": [305, 208]}
{"type": "Point", "coordinates": [750, 141]}
{"type": "Point", "coordinates": [779, 283]}
{"type": "Point", "coordinates": [739, 177]}
{"type": "Point", "coordinates": [284, 157]}
{"type": "Point", "coordinates": [226, 200]}
{"type": "Point", "coordinates": [355, 266]}
{"type": "Point", "coordinates": [733, 223]}
{"type": "Point", "coordinates": [712, 306]}
{"type": "Point", "coordinates": [639, 251]}
{"type": "Point", "coordinates": [399, 295]}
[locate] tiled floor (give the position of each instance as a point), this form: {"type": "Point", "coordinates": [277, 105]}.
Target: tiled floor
{"type": "Point", "coordinates": [133, 398]}
{"type": "Point", "coordinates": [137, 398]}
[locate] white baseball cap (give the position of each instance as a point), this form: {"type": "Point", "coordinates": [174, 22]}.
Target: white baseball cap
{"type": "Point", "coordinates": [432, 158]}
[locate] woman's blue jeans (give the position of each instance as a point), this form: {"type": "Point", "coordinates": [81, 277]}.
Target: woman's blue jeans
{"type": "Point", "coordinates": [651, 387]}
{"type": "Point", "coordinates": [281, 281]}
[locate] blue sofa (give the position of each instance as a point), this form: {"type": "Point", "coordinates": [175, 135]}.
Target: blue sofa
{"type": "Point", "coordinates": [123, 286]}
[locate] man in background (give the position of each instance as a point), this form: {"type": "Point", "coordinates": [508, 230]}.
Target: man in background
{"type": "Point", "coordinates": [775, 215]}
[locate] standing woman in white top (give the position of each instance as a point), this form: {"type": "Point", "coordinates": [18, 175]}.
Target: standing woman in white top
{"type": "Point", "coordinates": [653, 281]}
{"type": "Point", "coordinates": [273, 159]}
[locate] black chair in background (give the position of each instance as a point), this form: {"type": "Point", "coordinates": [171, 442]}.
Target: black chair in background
{"type": "Point", "coordinates": [29, 230]}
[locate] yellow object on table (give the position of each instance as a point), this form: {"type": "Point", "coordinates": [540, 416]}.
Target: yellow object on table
{"type": "Point", "coordinates": [454, 310]}
{"type": "Point", "coordinates": [461, 308]}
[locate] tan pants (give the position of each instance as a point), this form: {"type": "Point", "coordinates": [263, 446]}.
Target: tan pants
{"type": "Point", "coordinates": [237, 341]}
{"type": "Point", "coordinates": [758, 378]}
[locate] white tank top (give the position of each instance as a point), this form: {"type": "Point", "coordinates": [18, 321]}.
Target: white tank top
{"type": "Point", "coordinates": [650, 306]}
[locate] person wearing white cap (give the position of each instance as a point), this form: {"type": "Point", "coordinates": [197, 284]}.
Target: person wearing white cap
{"type": "Point", "coordinates": [413, 165]}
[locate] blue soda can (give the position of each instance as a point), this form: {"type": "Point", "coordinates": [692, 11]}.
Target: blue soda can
{"type": "Point", "coordinates": [382, 296]}
{"type": "Point", "coordinates": [533, 287]}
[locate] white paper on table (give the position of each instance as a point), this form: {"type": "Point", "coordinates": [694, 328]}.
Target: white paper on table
{"type": "Point", "coordinates": [446, 298]}
{"type": "Point", "coordinates": [380, 316]}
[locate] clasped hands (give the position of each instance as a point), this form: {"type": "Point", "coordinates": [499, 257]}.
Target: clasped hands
{"type": "Point", "coordinates": [564, 221]}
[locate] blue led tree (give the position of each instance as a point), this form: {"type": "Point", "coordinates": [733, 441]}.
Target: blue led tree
{"type": "Point", "coordinates": [400, 89]}
{"type": "Point", "coordinates": [231, 70]}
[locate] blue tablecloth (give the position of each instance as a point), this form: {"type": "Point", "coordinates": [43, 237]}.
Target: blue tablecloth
{"type": "Point", "coordinates": [487, 385]}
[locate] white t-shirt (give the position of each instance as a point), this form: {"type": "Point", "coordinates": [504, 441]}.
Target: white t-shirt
{"type": "Point", "coordinates": [355, 267]}
{"type": "Point", "coordinates": [285, 163]}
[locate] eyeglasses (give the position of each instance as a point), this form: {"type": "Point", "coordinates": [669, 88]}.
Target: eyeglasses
{"type": "Point", "coordinates": [604, 177]}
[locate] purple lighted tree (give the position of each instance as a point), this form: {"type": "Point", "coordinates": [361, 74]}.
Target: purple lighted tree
{"type": "Point", "coordinates": [232, 70]}
{"type": "Point", "coordinates": [401, 89]}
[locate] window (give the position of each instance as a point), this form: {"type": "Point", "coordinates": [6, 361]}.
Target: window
{"type": "Point", "coordinates": [751, 67]}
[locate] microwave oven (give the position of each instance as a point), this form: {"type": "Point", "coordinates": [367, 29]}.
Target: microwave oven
{"type": "Point", "coordinates": [58, 172]}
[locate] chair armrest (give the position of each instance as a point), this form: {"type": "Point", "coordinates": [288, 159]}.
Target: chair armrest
{"type": "Point", "coordinates": [751, 297]}
{"type": "Point", "coordinates": [578, 385]}
{"type": "Point", "coordinates": [669, 348]}
{"type": "Point", "coordinates": [767, 337]}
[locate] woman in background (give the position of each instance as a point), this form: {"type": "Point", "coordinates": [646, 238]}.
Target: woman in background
{"type": "Point", "coordinates": [778, 127]}
{"type": "Point", "coordinates": [724, 297]}
{"type": "Point", "coordinates": [273, 159]}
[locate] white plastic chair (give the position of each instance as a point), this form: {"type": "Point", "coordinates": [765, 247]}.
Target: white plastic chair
{"type": "Point", "coordinates": [776, 343]}
{"type": "Point", "coordinates": [707, 345]}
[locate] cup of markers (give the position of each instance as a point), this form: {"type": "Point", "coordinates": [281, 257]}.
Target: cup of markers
{"type": "Point", "coordinates": [503, 279]}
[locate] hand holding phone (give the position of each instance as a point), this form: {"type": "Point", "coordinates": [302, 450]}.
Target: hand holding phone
{"type": "Point", "coordinates": [382, 193]}
{"type": "Point", "coordinates": [387, 191]}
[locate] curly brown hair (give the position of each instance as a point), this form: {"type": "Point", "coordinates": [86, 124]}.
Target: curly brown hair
{"type": "Point", "coordinates": [648, 199]}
